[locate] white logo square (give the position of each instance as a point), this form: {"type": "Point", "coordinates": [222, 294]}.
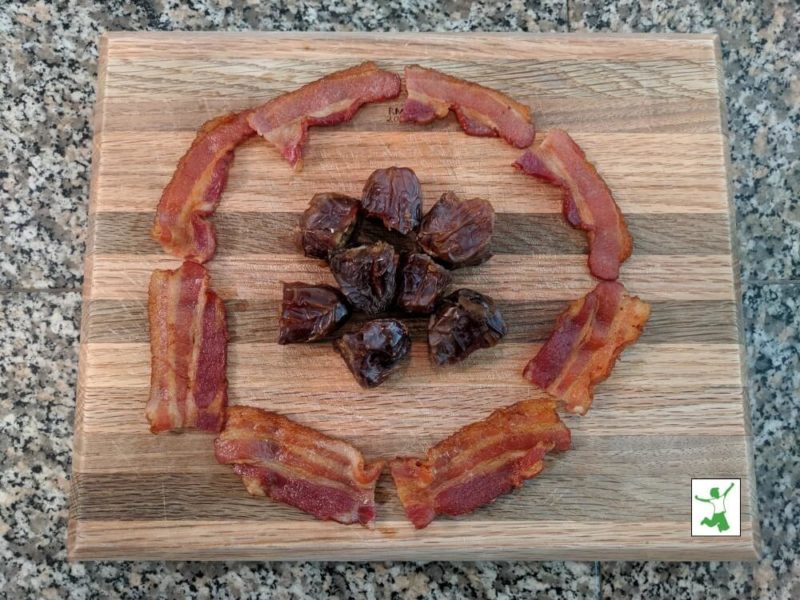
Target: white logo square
{"type": "Point", "coordinates": [716, 507]}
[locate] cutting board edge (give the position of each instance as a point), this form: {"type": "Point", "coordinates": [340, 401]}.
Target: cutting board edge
{"type": "Point", "coordinates": [97, 123]}
{"type": "Point", "coordinates": [237, 35]}
{"type": "Point", "coordinates": [82, 547]}
{"type": "Point", "coordinates": [94, 545]}
{"type": "Point", "coordinates": [737, 289]}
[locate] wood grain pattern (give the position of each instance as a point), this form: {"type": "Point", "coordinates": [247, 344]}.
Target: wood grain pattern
{"type": "Point", "coordinates": [647, 111]}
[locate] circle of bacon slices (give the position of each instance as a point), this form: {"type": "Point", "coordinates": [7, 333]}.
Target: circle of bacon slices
{"type": "Point", "coordinates": [324, 476]}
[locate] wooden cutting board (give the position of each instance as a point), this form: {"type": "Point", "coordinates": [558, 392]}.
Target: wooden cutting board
{"type": "Point", "coordinates": [647, 110]}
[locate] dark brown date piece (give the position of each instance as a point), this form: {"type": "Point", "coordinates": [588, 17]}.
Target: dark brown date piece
{"type": "Point", "coordinates": [393, 196]}
{"type": "Point", "coordinates": [367, 276]}
{"type": "Point", "coordinates": [465, 321]}
{"type": "Point", "coordinates": [458, 232]}
{"type": "Point", "coordinates": [374, 351]}
{"type": "Point", "coordinates": [422, 283]}
{"type": "Point", "coordinates": [310, 312]}
{"type": "Point", "coordinates": [327, 224]}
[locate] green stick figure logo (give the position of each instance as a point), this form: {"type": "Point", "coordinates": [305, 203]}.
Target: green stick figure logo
{"type": "Point", "coordinates": [716, 500]}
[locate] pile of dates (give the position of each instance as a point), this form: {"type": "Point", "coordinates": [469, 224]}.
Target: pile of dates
{"type": "Point", "coordinates": [392, 261]}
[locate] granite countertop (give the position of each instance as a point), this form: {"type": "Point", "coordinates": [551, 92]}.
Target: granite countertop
{"type": "Point", "coordinates": [50, 57]}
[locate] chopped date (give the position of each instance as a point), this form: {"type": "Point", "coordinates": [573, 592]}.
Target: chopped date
{"type": "Point", "coordinates": [465, 321]}
{"type": "Point", "coordinates": [373, 280]}
{"type": "Point", "coordinates": [393, 196]}
{"type": "Point", "coordinates": [373, 352]}
{"type": "Point", "coordinates": [370, 231]}
{"type": "Point", "coordinates": [310, 312]}
{"type": "Point", "coordinates": [422, 283]}
{"type": "Point", "coordinates": [328, 224]}
{"type": "Point", "coordinates": [458, 232]}
{"type": "Point", "coordinates": [367, 276]}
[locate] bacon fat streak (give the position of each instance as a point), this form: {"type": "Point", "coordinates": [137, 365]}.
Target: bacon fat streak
{"type": "Point", "coordinates": [194, 191]}
{"type": "Point", "coordinates": [481, 111]}
{"type": "Point", "coordinates": [479, 462]}
{"type": "Point", "coordinates": [299, 466]}
{"type": "Point", "coordinates": [334, 99]}
{"type": "Point", "coordinates": [588, 338]}
{"type": "Point", "coordinates": [588, 203]}
{"type": "Point", "coordinates": [188, 343]}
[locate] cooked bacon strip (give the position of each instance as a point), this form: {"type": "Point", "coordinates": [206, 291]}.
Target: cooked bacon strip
{"type": "Point", "coordinates": [334, 99]}
{"type": "Point", "coordinates": [193, 192]}
{"type": "Point", "coordinates": [585, 344]}
{"type": "Point", "coordinates": [480, 110]}
{"type": "Point", "coordinates": [479, 462]}
{"type": "Point", "coordinates": [299, 466]}
{"type": "Point", "coordinates": [588, 203]}
{"type": "Point", "coordinates": [188, 342]}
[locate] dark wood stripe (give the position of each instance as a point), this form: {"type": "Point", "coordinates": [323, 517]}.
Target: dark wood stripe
{"type": "Point", "coordinates": [711, 321]}
{"type": "Point", "coordinates": [266, 233]}
{"type": "Point", "coordinates": [217, 493]}
{"type": "Point", "coordinates": [220, 496]}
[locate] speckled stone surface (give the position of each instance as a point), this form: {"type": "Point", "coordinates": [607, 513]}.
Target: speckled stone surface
{"type": "Point", "coordinates": [48, 97]}
{"type": "Point", "coordinates": [772, 315]}
{"type": "Point", "coordinates": [48, 93]}
{"type": "Point", "coordinates": [761, 53]}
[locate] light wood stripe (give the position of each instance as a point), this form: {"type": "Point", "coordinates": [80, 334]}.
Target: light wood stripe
{"type": "Point", "coordinates": [361, 417]}
{"type": "Point", "coordinates": [648, 172]}
{"type": "Point", "coordinates": [268, 233]}
{"type": "Point", "coordinates": [563, 277]}
{"type": "Point", "coordinates": [271, 366]}
{"type": "Point", "coordinates": [529, 80]}
{"type": "Point", "coordinates": [635, 112]}
{"type": "Point", "coordinates": [712, 321]}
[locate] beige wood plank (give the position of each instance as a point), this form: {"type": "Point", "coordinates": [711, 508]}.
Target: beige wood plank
{"type": "Point", "coordinates": [529, 79]}
{"type": "Point", "coordinates": [619, 408]}
{"type": "Point", "coordinates": [649, 172]}
{"type": "Point", "coordinates": [272, 367]}
{"type": "Point", "coordinates": [629, 113]}
{"type": "Point", "coordinates": [564, 277]}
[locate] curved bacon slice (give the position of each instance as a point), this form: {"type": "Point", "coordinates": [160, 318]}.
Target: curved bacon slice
{"type": "Point", "coordinates": [334, 99]}
{"type": "Point", "coordinates": [299, 466]}
{"type": "Point", "coordinates": [479, 462]}
{"type": "Point", "coordinates": [585, 344]}
{"type": "Point", "coordinates": [188, 342]}
{"type": "Point", "coordinates": [194, 190]}
{"type": "Point", "coordinates": [480, 110]}
{"type": "Point", "coordinates": [588, 203]}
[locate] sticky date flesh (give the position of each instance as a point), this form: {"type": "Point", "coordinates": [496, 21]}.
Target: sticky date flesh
{"type": "Point", "coordinates": [422, 283]}
{"type": "Point", "coordinates": [367, 276]}
{"type": "Point", "coordinates": [393, 196]}
{"type": "Point", "coordinates": [310, 312]}
{"type": "Point", "coordinates": [465, 321]}
{"type": "Point", "coordinates": [458, 232]}
{"type": "Point", "coordinates": [327, 224]}
{"type": "Point", "coordinates": [374, 351]}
